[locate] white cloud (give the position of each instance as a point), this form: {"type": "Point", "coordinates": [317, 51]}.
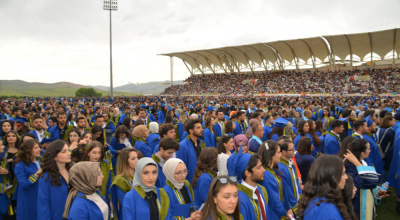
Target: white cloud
{"type": "Point", "coordinates": [52, 41]}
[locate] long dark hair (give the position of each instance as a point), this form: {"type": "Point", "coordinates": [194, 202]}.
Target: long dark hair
{"type": "Point", "coordinates": [92, 146]}
{"type": "Point", "coordinates": [127, 122]}
{"type": "Point", "coordinates": [266, 155]}
{"type": "Point", "coordinates": [358, 146]}
{"type": "Point", "coordinates": [49, 163]}
{"type": "Point", "coordinates": [345, 145]}
{"type": "Point", "coordinates": [223, 140]}
{"type": "Point", "coordinates": [300, 127]}
{"type": "Point", "coordinates": [276, 130]}
{"type": "Point", "coordinates": [2, 133]}
{"type": "Point", "coordinates": [17, 142]}
{"type": "Point", "coordinates": [25, 151]}
{"type": "Point", "coordinates": [73, 130]}
{"type": "Point", "coordinates": [210, 207]}
{"type": "Point", "coordinates": [229, 126]}
{"type": "Point", "coordinates": [347, 193]}
{"type": "Point", "coordinates": [304, 146]}
{"type": "Point", "coordinates": [95, 129]}
{"type": "Point", "coordinates": [311, 131]}
{"type": "Point", "coordinates": [121, 130]}
{"type": "Point", "coordinates": [319, 125]}
{"type": "Point", "coordinates": [207, 162]}
{"type": "Point", "coordinates": [323, 181]}
{"type": "Point", "coordinates": [207, 124]}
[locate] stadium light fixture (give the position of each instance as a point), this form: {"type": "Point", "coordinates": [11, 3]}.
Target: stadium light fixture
{"type": "Point", "coordinates": [111, 5]}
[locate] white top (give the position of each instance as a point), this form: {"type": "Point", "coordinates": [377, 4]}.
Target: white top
{"type": "Point", "coordinates": [40, 135]}
{"type": "Point", "coordinates": [222, 159]}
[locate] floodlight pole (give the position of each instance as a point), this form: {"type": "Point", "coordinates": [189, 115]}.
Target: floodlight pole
{"type": "Point", "coordinates": [172, 69]}
{"type": "Point", "coordinates": [111, 74]}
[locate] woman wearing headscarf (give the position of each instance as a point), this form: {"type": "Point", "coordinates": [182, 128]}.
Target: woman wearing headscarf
{"type": "Point", "coordinates": [141, 133]}
{"type": "Point", "coordinates": [154, 137]}
{"type": "Point", "coordinates": [179, 190]}
{"type": "Point", "coordinates": [83, 202]}
{"type": "Point", "coordinates": [237, 141]}
{"type": "Point", "coordinates": [146, 201]}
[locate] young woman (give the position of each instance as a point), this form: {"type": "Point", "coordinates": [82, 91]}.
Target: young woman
{"type": "Point", "coordinates": [53, 182]}
{"type": "Point", "coordinates": [209, 133]}
{"type": "Point", "coordinates": [278, 205]}
{"type": "Point", "coordinates": [180, 126]}
{"type": "Point", "coordinates": [27, 171]}
{"type": "Point", "coordinates": [71, 119]}
{"type": "Point", "coordinates": [326, 119]}
{"type": "Point", "coordinates": [230, 163]}
{"type": "Point", "coordinates": [315, 139]}
{"type": "Point", "coordinates": [122, 183]}
{"type": "Point", "coordinates": [73, 140]}
{"type": "Point", "coordinates": [304, 158]}
{"type": "Point", "coordinates": [122, 136]}
{"type": "Point", "coordinates": [12, 144]}
{"type": "Point", "coordinates": [88, 115]}
{"type": "Point", "coordinates": [322, 198]}
{"type": "Point", "coordinates": [303, 128]}
{"type": "Point", "coordinates": [146, 201]}
{"type": "Point", "coordinates": [88, 137]}
{"type": "Point", "coordinates": [229, 127]}
{"type": "Point", "coordinates": [222, 200]}
{"type": "Point", "coordinates": [83, 202]}
{"type": "Point", "coordinates": [224, 148]}
{"type": "Point", "coordinates": [179, 189]}
{"type": "Point", "coordinates": [154, 138]}
{"type": "Point", "coordinates": [5, 194]}
{"type": "Point", "coordinates": [95, 153]}
{"type": "Point", "coordinates": [319, 127]}
{"type": "Point", "coordinates": [365, 178]}
{"type": "Point", "coordinates": [99, 134]}
{"type": "Point", "coordinates": [5, 126]}
{"type": "Point", "coordinates": [348, 193]}
{"type": "Point", "coordinates": [141, 133]}
{"type": "Point", "coordinates": [127, 122]}
{"type": "Point", "coordinates": [204, 173]}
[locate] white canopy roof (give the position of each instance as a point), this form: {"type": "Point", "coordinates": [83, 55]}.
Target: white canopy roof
{"type": "Point", "coordinates": [329, 50]}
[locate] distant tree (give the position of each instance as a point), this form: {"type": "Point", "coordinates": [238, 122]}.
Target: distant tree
{"type": "Point", "coordinates": [87, 92]}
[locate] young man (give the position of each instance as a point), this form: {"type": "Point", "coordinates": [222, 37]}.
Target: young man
{"type": "Point", "coordinates": [360, 128]}
{"type": "Point", "coordinates": [252, 196]}
{"type": "Point", "coordinates": [332, 141]}
{"type": "Point", "coordinates": [241, 126]}
{"type": "Point", "coordinates": [166, 130]}
{"type": "Point", "coordinates": [255, 141]}
{"type": "Point", "coordinates": [81, 124]}
{"type": "Point", "coordinates": [168, 146]}
{"type": "Point", "coordinates": [143, 116]}
{"type": "Point", "coordinates": [374, 158]}
{"type": "Point", "coordinates": [219, 123]}
{"type": "Point", "coordinates": [39, 132]}
{"type": "Point", "coordinates": [191, 147]}
{"type": "Point", "coordinates": [290, 180]}
{"type": "Point", "coordinates": [108, 126]}
{"type": "Point", "coordinates": [267, 127]}
{"type": "Point", "coordinates": [61, 130]}
{"type": "Point", "coordinates": [126, 114]}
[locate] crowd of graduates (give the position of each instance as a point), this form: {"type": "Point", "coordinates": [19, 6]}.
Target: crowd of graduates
{"type": "Point", "coordinates": [381, 81]}
{"type": "Point", "coordinates": [198, 158]}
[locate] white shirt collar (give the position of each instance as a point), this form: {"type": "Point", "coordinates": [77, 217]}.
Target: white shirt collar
{"type": "Point", "coordinates": [252, 188]}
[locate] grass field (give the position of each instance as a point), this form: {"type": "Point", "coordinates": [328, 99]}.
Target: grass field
{"type": "Point", "coordinates": [386, 210]}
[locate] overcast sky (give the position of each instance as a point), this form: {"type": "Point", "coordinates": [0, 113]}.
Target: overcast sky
{"type": "Point", "coordinates": [52, 41]}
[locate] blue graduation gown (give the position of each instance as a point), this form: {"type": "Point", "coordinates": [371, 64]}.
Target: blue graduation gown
{"type": "Point", "coordinates": [187, 154]}
{"type": "Point", "coordinates": [316, 150]}
{"type": "Point", "coordinates": [247, 205]}
{"type": "Point", "coordinates": [161, 180]}
{"type": "Point", "coordinates": [326, 211]}
{"type": "Point", "coordinates": [238, 129]}
{"type": "Point", "coordinates": [27, 191]}
{"type": "Point", "coordinates": [394, 172]}
{"type": "Point", "coordinates": [51, 198]}
{"type": "Point", "coordinates": [202, 186]}
{"type": "Point", "coordinates": [118, 195]}
{"type": "Point", "coordinates": [218, 129]}
{"type": "Point", "coordinates": [296, 140]}
{"type": "Point", "coordinates": [136, 208]}
{"type": "Point", "coordinates": [375, 158]}
{"type": "Point", "coordinates": [276, 201]}
{"type": "Point", "coordinates": [275, 137]}
{"type": "Point", "coordinates": [180, 130]}
{"type": "Point", "coordinates": [160, 116]}
{"type": "Point", "coordinates": [253, 145]}
{"type": "Point", "coordinates": [288, 183]}
{"type": "Point", "coordinates": [82, 208]}
{"type": "Point", "coordinates": [173, 194]}
{"type": "Point", "coordinates": [141, 146]}
{"type": "Point", "coordinates": [209, 138]}
{"type": "Point", "coordinates": [331, 145]}
{"type": "Point", "coordinates": [267, 130]}
{"type": "Point", "coordinates": [114, 159]}
{"type": "Point", "coordinates": [153, 140]}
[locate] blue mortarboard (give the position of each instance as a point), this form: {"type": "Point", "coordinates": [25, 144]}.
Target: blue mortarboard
{"type": "Point", "coordinates": [21, 119]}
{"type": "Point", "coordinates": [367, 118]}
{"type": "Point", "coordinates": [343, 119]}
{"type": "Point", "coordinates": [241, 161]}
{"type": "Point", "coordinates": [369, 122]}
{"type": "Point", "coordinates": [280, 122]}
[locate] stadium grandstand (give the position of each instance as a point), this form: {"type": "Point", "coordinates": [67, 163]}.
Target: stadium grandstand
{"type": "Point", "coordinates": [359, 63]}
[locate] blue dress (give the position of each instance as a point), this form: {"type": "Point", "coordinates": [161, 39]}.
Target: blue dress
{"type": "Point", "coordinates": [326, 211]}
{"type": "Point", "coordinates": [51, 198]}
{"type": "Point", "coordinates": [304, 163]}
{"type": "Point", "coordinates": [209, 138]}
{"type": "Point", "coordinates": [27, 191]}
{"type": "Point", "coordinates": [82, 208]}
{"type": "Point", "coordinates": [202, 186]}
{"type": "Point", "coordinates": [296, 141]}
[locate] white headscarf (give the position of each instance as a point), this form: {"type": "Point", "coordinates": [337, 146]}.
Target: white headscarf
{"type": "Point", "coordinates": [169, 171]}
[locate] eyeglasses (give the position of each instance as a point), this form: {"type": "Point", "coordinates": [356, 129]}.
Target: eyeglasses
{"type": "Point", "coordinates": [291, 150]}
{"type": "Point", "coordinates": [181, 173]}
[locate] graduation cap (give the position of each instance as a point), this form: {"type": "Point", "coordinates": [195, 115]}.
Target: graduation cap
{"type": "Point", "coordinates": [343, 119]}
{"type": "Point", "coordinates": [280, 122]}
{"type": "Point", "coordinates": [241, 161]}
{"type": "Point", "coordinates": [21, 119]}
{"type": "Point", "coordinates": [369, 121]}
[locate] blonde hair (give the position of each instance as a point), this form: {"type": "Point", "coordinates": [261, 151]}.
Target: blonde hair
{"type": "Point", "coordinates": [122, 163]}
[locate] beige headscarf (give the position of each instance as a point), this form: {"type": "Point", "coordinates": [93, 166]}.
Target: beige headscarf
{"type": "Point", "coordinates": [83, 178]}
{"type": "Point", "coordinates": [140, 131]}
{"type": "Point", "coordinates": [249, 132]}
{"type": "Point", "coordinates": [169, 171]}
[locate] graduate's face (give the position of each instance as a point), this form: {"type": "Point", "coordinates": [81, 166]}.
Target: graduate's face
{"type": "Point", "coordinates": [6, 127]}
{"type": "Point", "coordinates": [142, 114]}
{"type": "Point", "coordinates": [354, 191]}
{"type": "Point", "coordinates": [81, 123]}
{"type": "Point", "coordinates": [1, 147]}
{"type": "Point", "coordinates": [149, 175]}
{"type": "Point", "coordinates": [212, 122]}
{"type": "Point", "coordinates": [277, 156]}
{"type": "Point", "coordinates": [122, 135]}
{"type": "Point", "coordinates": [99, 178]}
{"type": "Point", "coordinates": [64, 156]}
{"type": "Point", "coordinates": [94, 154]}
{"type": "Point", "coordinates": [171, 133]}
{"type": "Point", "coordinates": [62, 119]}
{"type": "Point", "coordinates": [132, 160]}
{"type": "Point", "coordinates": [88, 138]}
{"type": "Point", "coordinates": [229, 145]}
{"type": "Point", "coordinates": [97, 135]}
{"type": "Point", "coordinates": [365, 154]}
{"type": "Point", "coordinates": [343, 179]}
{"type": "Point", "coordinates": [73, 137]}
{"type": "Point", "coordinates": [180, 173]}
{"type": "Point", "coordinates": [11, 138]}
{"type": "Point", "coordinates": [306, 127]}
{"type": "Point", "coordinates": [227, 198]}
{"type": "Point", "coordinates": [36, 151]}
{"type": "Point", "coordinates": [258, 172]}
{"type": "Point", "coordinates": [166, 154]}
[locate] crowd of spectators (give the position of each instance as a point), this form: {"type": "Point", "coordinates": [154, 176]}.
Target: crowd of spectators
{"type": "Point", "coordinates": [381, 81]}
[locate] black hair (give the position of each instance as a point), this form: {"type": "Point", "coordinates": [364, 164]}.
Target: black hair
{"type": "Point", "coordinates": [190, 124]}
{"type": "Point", "coordinates": [251, 164]}
{"type": "Point", "coordinates": [168, 143]}
{"type": "Point", "coordinates": [359, 123]}
{"type": "Point", "coordinates": [336, 123]}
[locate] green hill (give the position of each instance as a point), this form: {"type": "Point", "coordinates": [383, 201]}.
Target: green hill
{"type": "Point", "coordinates": [36, 89]}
